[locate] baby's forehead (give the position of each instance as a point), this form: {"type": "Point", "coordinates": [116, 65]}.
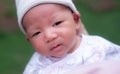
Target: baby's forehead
{"type": "Point", "coordinates": [47, 8]}
{"type": "Point", "coordinates": [46, 11]}
{"type": "Point", "coordinates": [50, 6]}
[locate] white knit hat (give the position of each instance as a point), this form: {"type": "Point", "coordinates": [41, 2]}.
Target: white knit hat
{"type": "Point", "coordinates": [24, 5]}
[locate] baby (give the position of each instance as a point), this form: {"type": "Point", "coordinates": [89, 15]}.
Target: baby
{"type": "Point", "coordinates": [60, 41]}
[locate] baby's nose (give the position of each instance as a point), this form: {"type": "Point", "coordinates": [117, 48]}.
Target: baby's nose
{"type": "Point", "coordinates": [50, 35]}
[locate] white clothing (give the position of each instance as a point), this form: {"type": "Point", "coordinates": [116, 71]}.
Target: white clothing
{"type": "Point", "coordinates": [91, 49]}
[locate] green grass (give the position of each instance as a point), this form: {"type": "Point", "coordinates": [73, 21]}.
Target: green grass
{"type": "Point", "coordinates": [14, 53]}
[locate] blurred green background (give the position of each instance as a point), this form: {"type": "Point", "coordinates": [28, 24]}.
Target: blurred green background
{"type": "Point", "coordinates": [101, 17]}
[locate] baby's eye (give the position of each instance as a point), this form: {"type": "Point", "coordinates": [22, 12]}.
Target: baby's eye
{"type": "Point", "coordinates": [57, 23]}
{"type": "Point", "coordinates": [36, 34]}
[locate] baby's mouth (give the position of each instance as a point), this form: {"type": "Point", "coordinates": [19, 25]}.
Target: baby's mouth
{"type": "Point", "coordinates": [56, 47]}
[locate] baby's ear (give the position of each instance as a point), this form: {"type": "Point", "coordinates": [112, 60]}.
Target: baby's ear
{"type": "Point", "coordinates": [76, 17]}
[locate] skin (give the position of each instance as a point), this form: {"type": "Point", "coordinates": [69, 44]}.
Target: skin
{"type": "Point", "coordinates": [52, 29]}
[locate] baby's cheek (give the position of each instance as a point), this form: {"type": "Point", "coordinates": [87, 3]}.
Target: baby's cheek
{"type": "Point", "coordinates": [37, 44]}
